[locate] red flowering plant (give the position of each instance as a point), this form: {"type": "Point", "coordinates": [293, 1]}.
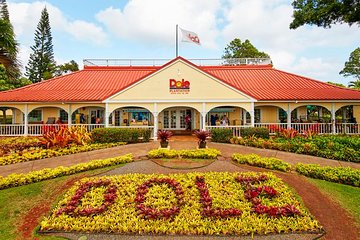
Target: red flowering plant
{"type": "Point", "coordinates": [253, 194]}
{"type": "Point", "coordinates": [72, 207]}
{"type": "Point", "coordinates": [164, 136]}
{"type": "Point", "coordinates": [202, 135]}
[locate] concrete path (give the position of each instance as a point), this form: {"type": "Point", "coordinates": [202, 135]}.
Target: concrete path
{"type": "Point", "coordinates": [140, 150]}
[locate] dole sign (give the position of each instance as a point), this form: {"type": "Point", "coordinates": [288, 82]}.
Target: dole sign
{"type": "Point", "coordinates": [179, 87]}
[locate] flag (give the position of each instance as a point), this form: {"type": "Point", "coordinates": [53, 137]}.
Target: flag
{"type": "Point", "coordinates": [188, 36]}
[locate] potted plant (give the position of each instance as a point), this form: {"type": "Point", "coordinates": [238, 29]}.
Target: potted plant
{"type": "Point", "coordinates": [164, 136]}
{"type": "Point", "coordinates": [202, 135]}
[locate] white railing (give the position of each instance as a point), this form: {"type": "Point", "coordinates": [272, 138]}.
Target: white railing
{"type": "Point", "coordinates": [90, 127]}
{"type": "Point", "coordinates": [12, 129]}
{"type": "Point", "coordinates": [273, 127]}
{"type": "Point", "coordinates": [321, 128]}
{"type": "Point", "coordinates": [347, 128]}
{"type": "Point", "coordinates": [160, 62]}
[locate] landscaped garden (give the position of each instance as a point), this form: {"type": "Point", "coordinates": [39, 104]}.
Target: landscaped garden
{"type": "Point", "coordinates": [64, 141]}
{"type": "Point", "coordinates": [338, 147]}
{"type": "Point", "coordinates": [193, 203]}
{"type": "Point", "coordinates": [206, 203]}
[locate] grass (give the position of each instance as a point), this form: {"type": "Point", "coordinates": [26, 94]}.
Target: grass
{"type": "Point", "coordinates": [16, 202]}
{"type": "Point", "coordinates": [347, 196]}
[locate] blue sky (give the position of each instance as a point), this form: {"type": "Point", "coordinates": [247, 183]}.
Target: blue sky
{"type": "Point", "coordinates": [146, 29]}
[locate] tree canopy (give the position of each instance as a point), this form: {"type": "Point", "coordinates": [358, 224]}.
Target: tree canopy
{"type": "Point", "coordinates": [337, 84]}
{"type": "Point", "coordinates": [7, 84]}
{"type": "Point", "coordinates": [42, 65]}
{"type": "Point", "coordinates": [323, 13]}
{"type": "Point", "coordinates": [352, 67]}
{"type": "Point", "coordinates": [66, 68]}
{"type": "Point", "coordinates": [238, 49]}
{"type": "Point", "coordinates": [8, 44]}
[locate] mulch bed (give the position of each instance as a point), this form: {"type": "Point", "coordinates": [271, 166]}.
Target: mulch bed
{"type": "Point", "coordinates": [32, 218]}
{"type": "Point", "coordinates": [183, 163]}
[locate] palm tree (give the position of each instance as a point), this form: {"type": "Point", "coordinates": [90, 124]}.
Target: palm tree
{"type": "Point", "coordinates": [354, 84]}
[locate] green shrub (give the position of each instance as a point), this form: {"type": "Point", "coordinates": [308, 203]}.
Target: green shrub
{"type": "Point", "coordinates": [130, 135]}
{"type": "Point", "coordinates": [255, 131]}
{"type": "Point", "coordinates": [203, 153]}
{"type": "Point", "coordinates": [256, 160]}
{"type": "Point", "coordinates": [344, 148]}
{"type": "Point", "coordinates": [344, 175]}
{"type": "Point", "coordinates": [40, 153]}
{"type": "Point", "coordinates": [14, 179]}
{"type": "Point", "coordinates": [222, 135]}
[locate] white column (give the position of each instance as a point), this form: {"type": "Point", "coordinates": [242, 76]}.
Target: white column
{"type": "Point", "coordinates": [252, 114]}
{"type": "Point", "coordinates": [107, 114]}
{"type": "Point", "coordinates": [26, 121]}
{"type": "Point", "coordinates": [244, 116]}
{"type": "Point", "coordinates": [113, 118]}
{"type": "Point", "coordinates": [203, 115]}
{"type": "Point", "coordinates": [156, 121]}
{"type": "Point", "coordinates": [69, 115]}
{"type": "Point", "coordinates": [333, 118]}
{"type": "Point", "coordinates": [288, 119]}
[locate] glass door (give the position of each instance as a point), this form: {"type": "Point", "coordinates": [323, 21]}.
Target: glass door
{"type": "Point", "coordinates": [175, 118]}
{"type": "Point", "coordinates": [173, 123]}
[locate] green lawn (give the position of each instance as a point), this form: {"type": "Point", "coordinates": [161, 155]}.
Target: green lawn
{"type": "Point", "coordinates": [347, 196]}
{"type": "Point", "coordinates": [16, 202]}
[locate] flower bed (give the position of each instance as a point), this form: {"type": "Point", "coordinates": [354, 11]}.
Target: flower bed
{"type": "Point", "coordinates": [256, 160]}
{"type": "Point", "coordinates": [208, 153]}
{"type": "Point", "coordinates": [344, 148]}
{"type": "Point", "coordinates": [14, 180]}
{"type": "Point", "coordinates": [40, 153]}
{"type": "Point", "coordinates": [193, 203]}
{"type": "Point", "coordinates": [344, 175]}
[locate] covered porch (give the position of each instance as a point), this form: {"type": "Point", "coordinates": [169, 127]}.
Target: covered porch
{"type": "Point", "coordinates": [183, 118]}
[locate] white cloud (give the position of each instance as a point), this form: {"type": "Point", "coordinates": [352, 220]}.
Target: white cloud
{"type": "Point", "coordinates": [86, 31]}
{"type": "Point", "coordinates": [25, 17]}
{"type": "Point", "coordinates": [318, 68]}
{"type": "Point", "coordinates": [309, 50]}
{"type": "Point", "coordinates": [154, 21]}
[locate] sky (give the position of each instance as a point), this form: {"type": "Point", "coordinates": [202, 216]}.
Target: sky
{"type": "Point", "coordinates": [145, 29]}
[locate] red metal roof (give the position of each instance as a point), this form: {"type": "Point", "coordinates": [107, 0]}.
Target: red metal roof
{"type": "Point", "coordinates": [90, 84]}
{"type": "Point", "coordinates": [99, 83]}
{"type": "Point", "coordinates": [267, 83]}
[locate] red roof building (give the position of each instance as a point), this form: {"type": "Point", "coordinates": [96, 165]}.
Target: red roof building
{"type": "Point", "coordinates": [135, 95]}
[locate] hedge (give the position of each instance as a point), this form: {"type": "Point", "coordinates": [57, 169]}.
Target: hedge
{"type": "Point", "coordinates": [255, 131]}
{"type": "Point", "coordinates": [207, 153]}
{"type": "Point", "coordinates": [130, 135]}
{"type": "Point", "coordinates": [14, 179]}
{"type": "Point", "coordinates": [222, 135]}
{"type": "Point", "coordinates": [40, 153]}
{"type": "Point", "coordinates": [343, 175]}
{"type": "Point", "coordinates": [256, 160]}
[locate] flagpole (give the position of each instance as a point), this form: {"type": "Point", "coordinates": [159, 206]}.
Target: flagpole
{"type": "Point", "coordinates": [177, 41]}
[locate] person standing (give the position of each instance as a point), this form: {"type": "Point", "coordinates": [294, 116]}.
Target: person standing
{"type": "Point", "coordinates": [188, 122]}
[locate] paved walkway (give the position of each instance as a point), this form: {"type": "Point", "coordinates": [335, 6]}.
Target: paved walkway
{"type": "Point", "coordinates": [140, 150]}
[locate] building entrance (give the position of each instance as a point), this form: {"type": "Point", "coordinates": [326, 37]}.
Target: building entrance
{"type": "Point", "coordinates": [178, 119]}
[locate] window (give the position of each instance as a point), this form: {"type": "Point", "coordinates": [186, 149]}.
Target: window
{"type": "Point", "coordinates": [257, 114]}
{"type": "Point", "coordinates": [63, 115]}
{"type": "Point", "coordinates": [35, 116]}
{"type": "Point", "coordinates": [282, 115]}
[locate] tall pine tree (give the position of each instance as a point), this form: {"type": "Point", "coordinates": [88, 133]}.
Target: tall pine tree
{"type": "Point", "coordinates": [41, 64]}
{"type": "Point", "coordinates": [8, 44]}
